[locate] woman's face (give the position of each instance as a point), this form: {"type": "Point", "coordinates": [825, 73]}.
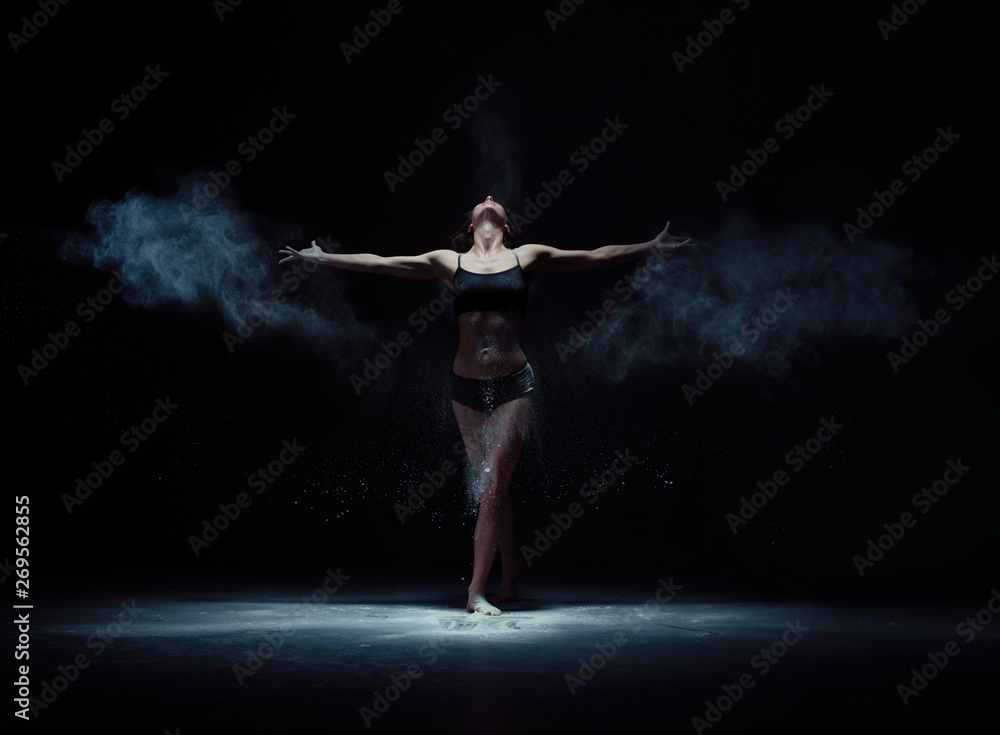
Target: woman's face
{"type": "Point", "coordinates": [488, 211]}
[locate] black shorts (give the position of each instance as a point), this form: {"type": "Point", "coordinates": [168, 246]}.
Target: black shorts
{"type": "Point", "coordinates": [485, 395]}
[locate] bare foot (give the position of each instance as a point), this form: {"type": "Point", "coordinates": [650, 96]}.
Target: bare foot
{"type": "Point", "coordinates": [506, 593]}
{"type": "Point", "coordinates": [477, 603]}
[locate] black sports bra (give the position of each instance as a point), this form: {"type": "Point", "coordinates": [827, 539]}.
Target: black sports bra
{"type": "Point", "coordinates": [503, 291]}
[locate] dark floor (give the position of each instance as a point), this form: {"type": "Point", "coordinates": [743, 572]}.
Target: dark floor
{"type": "Point", "coordinates": [169, 661]}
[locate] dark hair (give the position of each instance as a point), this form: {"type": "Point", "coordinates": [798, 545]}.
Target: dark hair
{"type": "Point", "coordinates": [462, 240]}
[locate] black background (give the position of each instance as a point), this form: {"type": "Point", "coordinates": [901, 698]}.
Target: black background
{"type": "Point", "coordinates": [324, 176]}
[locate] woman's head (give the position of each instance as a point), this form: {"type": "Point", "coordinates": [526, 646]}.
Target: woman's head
{"type": "Point", "coordinates": [488, 214]}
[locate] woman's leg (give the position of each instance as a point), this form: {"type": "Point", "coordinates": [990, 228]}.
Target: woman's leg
{"type": "Point", "coordinates": [510, 560]}
{"type": "Point", "coordinates": [493, 444]}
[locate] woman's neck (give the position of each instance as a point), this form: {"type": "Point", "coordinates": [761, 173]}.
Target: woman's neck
{"type": "Point", "coordinates": [487, 242]}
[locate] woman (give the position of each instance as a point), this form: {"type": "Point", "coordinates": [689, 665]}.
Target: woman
{"type": "Point", "coordinates": [492, 380]}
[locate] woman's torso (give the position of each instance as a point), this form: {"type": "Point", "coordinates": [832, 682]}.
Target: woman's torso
{"type": "Point", "coordinates": [491, 292]}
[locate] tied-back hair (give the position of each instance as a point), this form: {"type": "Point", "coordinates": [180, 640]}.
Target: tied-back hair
{"type": "Point", "coordinates": [462, 240]}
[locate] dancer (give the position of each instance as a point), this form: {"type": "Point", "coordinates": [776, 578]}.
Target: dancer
{"type": "Point", "coordinates": [491, 380]}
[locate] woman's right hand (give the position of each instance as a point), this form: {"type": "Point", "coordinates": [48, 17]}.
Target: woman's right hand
{"type": "Point", "coordinates": [670, 242]}
{"type": "Point", "coordinates": [313, 254]}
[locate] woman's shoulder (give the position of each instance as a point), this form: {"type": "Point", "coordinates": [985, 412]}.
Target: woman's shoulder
{"type": "Point", "coordinates": [443, 256]}
{"type": "Point", "coordinates": [531, 252]}
{"type": "Point", "coordinates": [533, 248]}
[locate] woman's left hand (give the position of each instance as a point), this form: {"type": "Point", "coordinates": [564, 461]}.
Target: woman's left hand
{"type": "Point", "coordinates": [670, 242]}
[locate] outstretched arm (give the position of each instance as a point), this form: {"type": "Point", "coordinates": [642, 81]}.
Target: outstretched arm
{"type": "Point", "coordinates": [544, 258]}
{"type": "Point", "coordinates": [434, 264]}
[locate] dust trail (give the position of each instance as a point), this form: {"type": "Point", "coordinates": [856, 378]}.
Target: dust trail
{"type": "Point", "coordinates": [782, 297]}
{"type": "Point", "coordinates": [498, 171]}
{"type": "Point", "coordinates": [216, 256]}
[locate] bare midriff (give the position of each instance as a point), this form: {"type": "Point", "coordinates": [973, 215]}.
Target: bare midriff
{"type": "Point", "coordinates": [489, 344]}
